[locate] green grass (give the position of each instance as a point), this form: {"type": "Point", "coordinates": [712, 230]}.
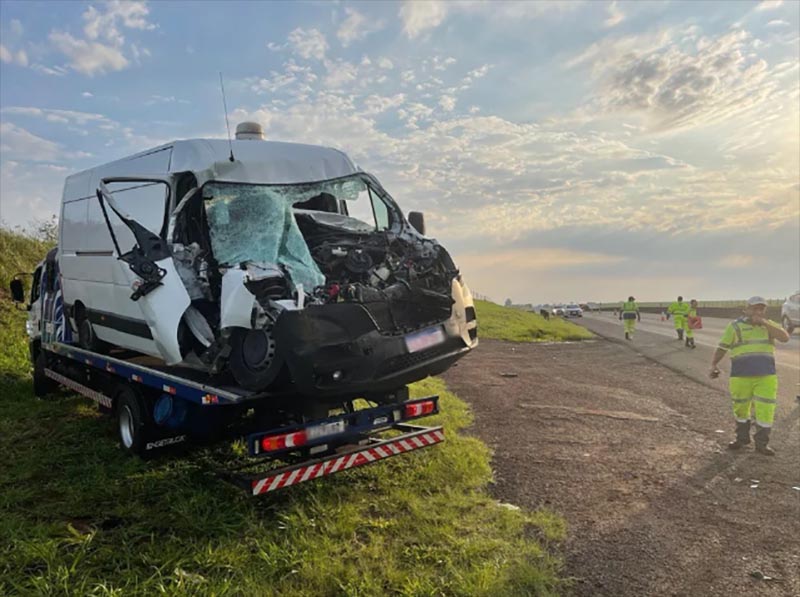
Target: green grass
{"type": "Point", "coordinates": [502, 323]}
{"type": "Point", "coordinates": [77, 517]}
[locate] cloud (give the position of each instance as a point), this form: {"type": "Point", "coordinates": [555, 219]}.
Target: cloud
{"type": "Point", "coordinates": [20, 58]}
{"type": "Point", "coordinates": [20, 144]}
{"type": "Point", "coordinates": [615, 15]}
{"type": "Point", "coordinates": [518, 261]}
{"type": "Point", "coordinates": [16, 27]}
{"type": "Point", "coordinates": [87, 94]}
{"type": "Point", "coordinates": [418, 17]}
{"type": "Point", "coordinates": [104, 24]}
{"type": "Point", "coordinates": [89, 58]}
{"type": "Point", "coordinates": [356, 27]}
{"type": "Point", "coordinates": [768, 5]}
{"type": "Point", "coordinates": [778, 23]}
{"type": "Point", "coordinates": [676, 82]}
{"type": "Point", "coordinates": [104, 48]}
{"type": "Point", "coordinates": [308, 43]}
{"type": "Point", "coordinates": [736, 261]}
{"type": "Point", "coordinates": [448, 103]}
{"type": "Point", "coordinates": [55, 71]}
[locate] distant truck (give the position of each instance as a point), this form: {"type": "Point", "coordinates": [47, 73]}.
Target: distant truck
{"type": "Point", "coordinates": [274, 262]}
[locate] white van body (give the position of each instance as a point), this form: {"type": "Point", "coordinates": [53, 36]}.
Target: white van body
{"type": "Point", "coordinates": [131, 279]}
{"type": "Point", "coordinates": [95, 280]}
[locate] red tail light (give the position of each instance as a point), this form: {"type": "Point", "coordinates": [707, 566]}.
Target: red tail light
{"type": "Point", "coordinates": [419, 409]}
{"type": "Point", "coordinates": [286, 440]}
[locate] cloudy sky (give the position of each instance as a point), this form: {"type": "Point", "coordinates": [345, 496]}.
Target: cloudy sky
{"type": "Point", "coordinates": [561, 151]}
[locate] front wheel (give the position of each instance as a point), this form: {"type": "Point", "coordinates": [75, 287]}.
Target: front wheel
{"type": "Point", "coordinates": [787, 324]}
{"type": "Point", "coordinates": [42, 385]}
{"type": "Point", "coordinates": [254, 361]}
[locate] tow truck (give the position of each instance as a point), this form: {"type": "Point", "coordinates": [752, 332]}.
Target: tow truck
{"type": "Point", "coordinates": [288, 440]}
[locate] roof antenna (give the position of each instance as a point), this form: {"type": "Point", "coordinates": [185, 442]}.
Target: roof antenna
{"type": "Point", "coordinates": [227, 124]}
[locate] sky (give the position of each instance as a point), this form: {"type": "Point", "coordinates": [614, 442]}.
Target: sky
{"type": "Point", "coordinates": [561, 151]}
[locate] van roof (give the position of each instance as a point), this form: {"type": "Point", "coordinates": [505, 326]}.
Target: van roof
{"type": "Point", "coordinates": [255, 162]}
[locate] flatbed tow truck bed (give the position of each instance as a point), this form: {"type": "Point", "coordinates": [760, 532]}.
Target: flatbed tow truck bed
{"type": "Point", "coordinates": [148, 403]}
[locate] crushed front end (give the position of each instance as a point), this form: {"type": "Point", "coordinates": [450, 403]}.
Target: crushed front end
{"type": "Point", "coordinates": [347, 302]}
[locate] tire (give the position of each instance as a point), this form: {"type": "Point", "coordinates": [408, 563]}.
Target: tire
{"type": "Point", "coordinates": [42, 385]}
{"type": "Point", "coordinates": [787, 324]}
{"type": "Point", "coordinates": [134, 424]}
{"type": "Point", "coordinates": [254, 361]}
{"type": "Point", "coordinates": [86, 336]}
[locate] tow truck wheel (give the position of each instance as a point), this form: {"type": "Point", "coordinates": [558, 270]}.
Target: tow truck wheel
{"type": "Point", "coordinates": [133, 423]}
{"type": "Point", "coordinates": [42, 385]}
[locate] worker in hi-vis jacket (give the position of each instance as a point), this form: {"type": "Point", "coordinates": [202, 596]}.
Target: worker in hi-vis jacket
{"type": "Point", "coordinates": [629, 314]}
{"type": "Point", "coordinates": [750, 342]}
{"type": "Point", "coordinates": [679, 311]}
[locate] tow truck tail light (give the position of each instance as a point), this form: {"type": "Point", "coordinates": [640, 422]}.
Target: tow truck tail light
{"type": "Point", "coordinates": [283, 441]}
{"type": "Point", "coordinates": [419, 409]}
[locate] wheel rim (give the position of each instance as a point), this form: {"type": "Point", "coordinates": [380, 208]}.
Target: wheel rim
{"type": "Point", "coordinates": [258, 349]}
{"type": "Point", "coordinates": [126, 431]}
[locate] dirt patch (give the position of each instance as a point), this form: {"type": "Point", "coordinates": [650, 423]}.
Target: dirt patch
{"type": "Point", "coordinates": [629, 452]}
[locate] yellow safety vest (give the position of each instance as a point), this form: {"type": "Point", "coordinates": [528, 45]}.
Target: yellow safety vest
{"type": "Point", "coordinates": [629, 310]}
{"type": "Point", "coordinates": [677, 308]}
{"type": "Point", "coordinates": [752, 351]}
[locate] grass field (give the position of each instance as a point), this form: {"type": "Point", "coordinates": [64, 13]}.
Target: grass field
{"type": "Point", "coordinates": [77, 517]}
{"type": "Point", "coordinates": [514, 325]}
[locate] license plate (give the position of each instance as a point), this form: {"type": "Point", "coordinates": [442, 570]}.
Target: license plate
{"type": "Point", "coordinates": [324, 430]}
{"type": "Point", "coordinates": [424, 339]}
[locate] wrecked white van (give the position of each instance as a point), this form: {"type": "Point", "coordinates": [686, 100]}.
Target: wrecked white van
{"type": "Point", "coordinates": [277, 263]}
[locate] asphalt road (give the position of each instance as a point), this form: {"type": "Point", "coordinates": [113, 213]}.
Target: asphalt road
{"type": "Point", "coordinates": [787, 356]}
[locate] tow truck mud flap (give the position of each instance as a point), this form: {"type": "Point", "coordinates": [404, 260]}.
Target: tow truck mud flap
{"type": "Point", "coordinates": [416, 438]}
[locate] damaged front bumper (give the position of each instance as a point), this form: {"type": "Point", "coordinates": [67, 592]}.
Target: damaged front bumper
{"type": "Point", "coordinates": [341, 349]}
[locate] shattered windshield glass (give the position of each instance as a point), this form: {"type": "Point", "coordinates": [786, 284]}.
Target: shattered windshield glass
{"type": "Point", "coordinates": [256, 222]}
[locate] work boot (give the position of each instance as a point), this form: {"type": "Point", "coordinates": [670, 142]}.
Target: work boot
{"type": "Point", "coordinates": [680, 334]}
{"type": "Point", "coordinates": [742, 436]}
{"type": "Point", "coordinates": [762, 439]}
{"type": "Point", "coordinates": [692, 344]}
{"type": "Point", "coordinates": [687, 343]}
{"type": "Point", "coordinates": [627, 335]}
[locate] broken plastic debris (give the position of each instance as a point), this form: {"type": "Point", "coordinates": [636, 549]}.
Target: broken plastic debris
{"type": "Point", "coordinates": [737, 480]}
{"type": "Point", "coordinates": [508, 506]}
{"type": "Point", "coordinates": [719, 431]}
{"type": "Point", "coordinates": [758, 575]}
{"type": "Point", "coordinates": [796, 487]}
{"type": "Point", "coordinates": [754, 486]}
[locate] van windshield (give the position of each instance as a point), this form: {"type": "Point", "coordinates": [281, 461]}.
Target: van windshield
{"type": "Point", "coordinates": [249, 222]}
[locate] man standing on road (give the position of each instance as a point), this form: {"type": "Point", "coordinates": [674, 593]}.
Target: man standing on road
{"type": "Point", "coordinates": [629, 314]}
{"type": "Point", "coordinates": [692, 322]}
{"type": "Point", "coordinates": [753, 381]}
{"type": "Point", "coordinates": [679, 311]}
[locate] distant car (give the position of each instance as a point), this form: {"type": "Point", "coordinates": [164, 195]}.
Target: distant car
{"type": "Point", "coordinates": [558, 310]}
{"type": "Point", "coordinates": [573, 311]}
{"type": "Point", "coordinates": [790, 313]}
